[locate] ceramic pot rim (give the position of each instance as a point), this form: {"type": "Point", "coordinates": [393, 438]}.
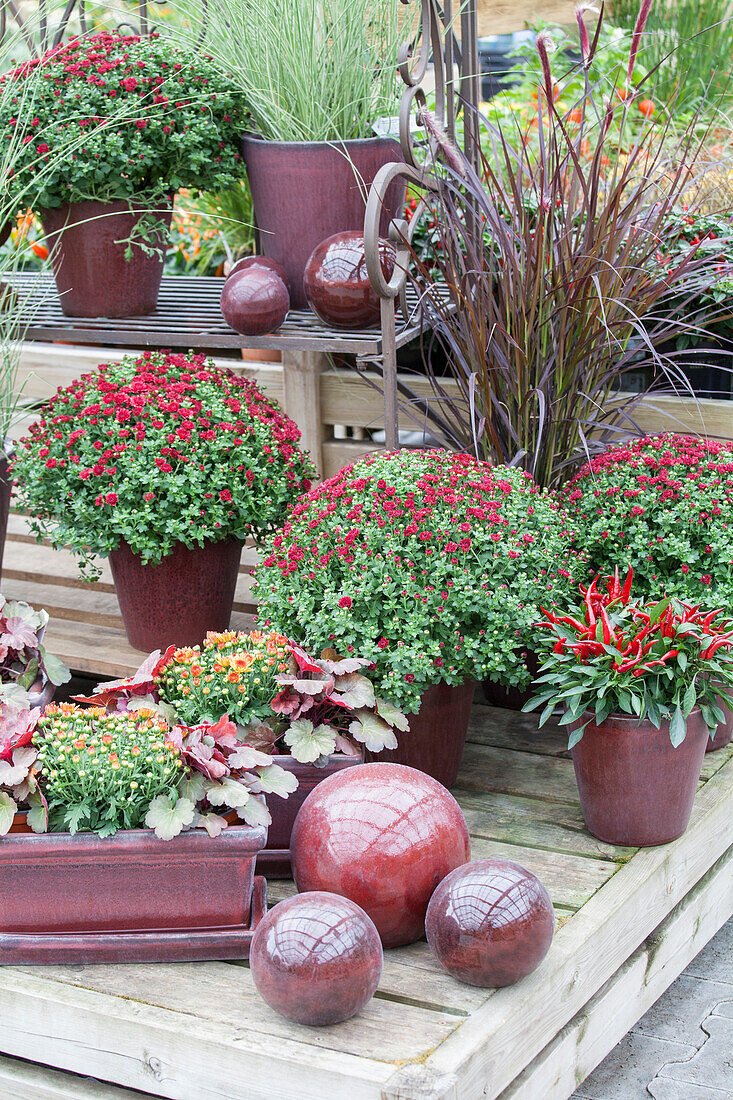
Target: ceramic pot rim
{"type": "Point", "coordinates": [632, 721]}
{"type": "Point", "coordinates": [255, 139]}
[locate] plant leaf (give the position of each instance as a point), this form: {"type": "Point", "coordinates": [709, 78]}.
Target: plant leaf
{"type": "Point", "coordinates": [392, 714]}
{"type": "Point", "coordinates": [275, 780]}
{"type": "Point", "coordinates": [677, 727]}
{"type": "Point", "coordinates": [255, 813]}
{"type": "Point", "coordinates": [308, 743]}
{"type": "Point", "coordinates": [372, 731]}
{"type": "Point", "coordinates": [227, 792]}
{"type": "Point", "coordinates": [54, 668]}
{"type": "Point", "coordinates": [8, 810]}
{"type": "Point", "coordinates": [213, 823]}
{"type": "Point", "coordinates": [192, 787]}
{"type": "Point", "coordinates": [37, 816]}
{"type": "Point", "coordinates": [168, 817]}
{"type": "Point", "coordinates": [353, 691]}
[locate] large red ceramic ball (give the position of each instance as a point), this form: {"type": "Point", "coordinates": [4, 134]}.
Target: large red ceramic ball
{"type": "Point", "coordinates": [316, 958]}
{"type": "Point", "coordinates": [337, 284]}
{"type": "Point", "coordinates": [265, 262]}
{"type": "Point", "coordinates": [383, 835]}
{"type": "Point", "coordinates": [255, 301]}
{"type": "Point", "coordinates": [490, 923]}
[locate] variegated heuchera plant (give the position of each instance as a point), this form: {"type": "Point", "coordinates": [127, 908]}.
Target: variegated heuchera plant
{"type": "Point", "coordinates": [26, 667]}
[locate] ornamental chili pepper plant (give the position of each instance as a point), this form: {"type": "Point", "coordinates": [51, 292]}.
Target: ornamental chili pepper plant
{"type": "Point", "coordinates": [155, 451]}
{"type": "Point", "coordinates": [654, 660]}
{"type": "Point", "coordinates": [664, 505]}
{"type": "Point", "coordinates": [430, 564]}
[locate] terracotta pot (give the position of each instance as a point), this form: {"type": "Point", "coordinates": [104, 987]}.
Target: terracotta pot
{"type": "Point", "coordinates": [724, 732]}
{"type": "Point", "coordinates": [55, 882]}
{"type": "Point", "coordinates": [20, 823]}
{"type": "Point", "coordinates": [261, 355]}
{"type": "Point", "coordinates": [6, 487]}
{"type": "Point", "coordinates": [176, 602]}
{"type": "Point", "coordinates": [274, 860]}
{"type": "Point", "coordinates": [87, 243]}
{"type": "Point", "coordinates": [304, 192]}
{"type": "Point", "coordinates": [437, 734]}
{"type": "Point", "coordinates": [635, 788]}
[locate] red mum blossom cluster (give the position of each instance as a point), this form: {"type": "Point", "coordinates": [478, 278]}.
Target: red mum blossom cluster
{"type": "Point", "coordinates": [158, 450]}
{"type": "Point", "coordinates": [133, 116]}
{"type": "Point", "coordinates": [654, 660]}
{"type": "Point", "coordinates": [663, 505]}
{"type": "Point", "coordinates": [430, 564]}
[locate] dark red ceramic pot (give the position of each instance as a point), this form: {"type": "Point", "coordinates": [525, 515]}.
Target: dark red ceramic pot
{"type": "Point", "coordinates": [6, 487]}
{"type": "Point", "coordinates": [437, 734]}
{"type": "Point", "coordinates": [274, 860]}
{"type": "Point", "coordinates": [724, 732]}
{"type": "Point", "coordinates": [87, 243]}
{"type": "Point", "coordinates": [635, 787]}
{"type": "Point", "coordinates": [176, 602]}
{"type": "Point", "coordinates": [511, 698]}
{"type": "Point", "coordinates": [304, 192]}
{"type": "Point", "coordinates": [130, 881]}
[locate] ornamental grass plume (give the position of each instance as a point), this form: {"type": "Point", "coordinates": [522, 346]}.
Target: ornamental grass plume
{"type": "Point", "coordinates": [430, 564]}
{"type": "Point", "coordinates": [664, 506]}
{"type": "Point", "coordinates": [549, 286]}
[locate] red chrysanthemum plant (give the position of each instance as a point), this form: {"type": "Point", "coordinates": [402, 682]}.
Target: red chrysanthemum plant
{"type": "Point", "coordinates": [653, 660]}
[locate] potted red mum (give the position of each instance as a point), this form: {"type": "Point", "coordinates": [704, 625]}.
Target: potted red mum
{"type": "Point", "coordinates": [431, 565]}
{"type": "Point", "coordinates": [151, 117]}
{"type": "Point", "coordinates": [313, 716]}
{"type": "Point", "coordinates": [641, 684]}
{"type": "Point", "coordinates": [164, 463]}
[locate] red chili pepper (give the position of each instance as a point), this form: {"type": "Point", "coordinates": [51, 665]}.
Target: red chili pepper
{"type": "Point", "coordinates": [705, 623]}
{"type": "Point", "coordinates": [608, 634]}
{"type": "Point", "coordinates": [626, 590]}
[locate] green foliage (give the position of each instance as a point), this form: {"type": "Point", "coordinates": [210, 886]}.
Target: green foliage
{"type": "Point", "coordinates": [154, 451]}
{"type": "Point", "coordinates": [429, 564]}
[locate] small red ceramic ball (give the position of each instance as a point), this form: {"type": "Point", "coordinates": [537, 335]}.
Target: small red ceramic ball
{"type": "Point", "coordinates": [264, 262]}
{"type": "Point", "coordinates": [255, 301]}
{"type": "Point", "coordinates": [316, 958]}
{"type": "Point", "coordinates": [337, 284]}
{"type": "Point", "coordinates": [490, 923]}
{"type": "Point", "coordinates": [383, 835]}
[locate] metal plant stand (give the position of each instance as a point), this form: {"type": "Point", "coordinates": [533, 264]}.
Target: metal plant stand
{"type": "Point", "coordinates": [188, 312]}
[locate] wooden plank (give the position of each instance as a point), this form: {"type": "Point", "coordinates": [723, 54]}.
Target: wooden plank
{"type": "Point", "coordinates": [485, 768]}
{"type": "Point", "coordinates": [337, 454]}
{"type": "Point", "coordinates": [302, 399]}
{"type": "Point", "coordinates": [27, 1081]}
{"type": "Point", "coordinates": [510, 729]}
{"type": "Point", "coordinates": [588, 1038]}
{"type": "Point", "coordinates": [587, 951]}
{"type": "Point", "coordinates": [570, 879]}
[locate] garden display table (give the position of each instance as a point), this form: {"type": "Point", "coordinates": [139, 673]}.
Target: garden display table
{"type": "Point", "coordinates": [629, 922]}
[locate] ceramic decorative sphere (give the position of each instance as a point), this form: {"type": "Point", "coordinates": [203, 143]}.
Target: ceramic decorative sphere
{"type": "Point", "coordinates": [255, 301]}
{"type": "Point", "coordinates": [316, 958]}
{"type": "Point", "coordinates": [264, 262]}
{"type": "Point", "coordinates": [337, 284]}
{"type": "Point", "coordinates": [383, 835]}
{"type": "Point", "coordinates": [490, 923]}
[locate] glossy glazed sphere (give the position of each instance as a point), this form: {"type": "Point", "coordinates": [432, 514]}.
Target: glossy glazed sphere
{"type": "Point", "coordinates": [490, 923]}
{"type": "Point", "coordinates": [383, 835]}
{"type": "Point", "coordinates": [337, 284]}
{"type": "Point", "coordinates": [264, 262]}
{"type": "Point", "coordinates": [316, 958]}
{"type": "Point", "coordinates": [255, 301]}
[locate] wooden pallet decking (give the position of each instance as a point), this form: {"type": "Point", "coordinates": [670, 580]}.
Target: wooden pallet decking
{"type": "Point", "coordinates": [629, 922]}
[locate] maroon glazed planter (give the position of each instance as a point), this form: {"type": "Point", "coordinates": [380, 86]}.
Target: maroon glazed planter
{"type": "Point", "coordinates": [93, 278]}
{"type": "Point", "coordinates": [274, 860]}
{"type": "Point", "coordinates": [176, 602]}
{"type": "Point", "coordinates": [55, 882]}
{"type": "Point", "coordinates": [434, 743]}
{"type": "Point", "coordinates": [635, 787]}
{"type": "Point", "coordinates": [304, 192]}
{"type": "Point", "coordinates": [511, 698]}
{"type": "Point", "coordinates": [6, 487]}
{"type": "Point", "coordinates": [724, 732]}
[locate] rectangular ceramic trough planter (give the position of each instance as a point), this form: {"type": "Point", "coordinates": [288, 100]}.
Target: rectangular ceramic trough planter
{"type": "Point", "coordinates": [129, 897]}
{"type": "Point", "coordinates": [274, 861]}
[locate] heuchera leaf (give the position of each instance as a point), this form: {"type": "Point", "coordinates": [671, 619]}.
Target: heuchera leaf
{"type": "Point", "coordinates": [55, 669]}
{"type": "Point", "coordinates": [305, 662]}
{"type": "Point", "coordinates": [246, 757]}
{"type": "Point", "coordinates": [392, 714]}
{"type": "Point", "coordinates": [372, 731]}
{"type": "Point", "coordinates": [213, 823]}
{"type": "Point", "coordinates": [308, 743]}
{"type": "Point", "coordinates": [141, 682]}
{"type": "Point", "coordinates": [274, 780]}
{"type": "Point", "coordinates": [353, 691]}
{"type": "Point", "coordinates": [37, 816]}
{"type": "Point", "coordinates": [255, 813]}
{"type": "Point", "coordinates": [228, 792]}
{"type": "Point", "coordinates": [12, 773]}
{"type": "Point", "coordinates": [8, 810]}
{"type": "Point", "coordinates": [167, 817]}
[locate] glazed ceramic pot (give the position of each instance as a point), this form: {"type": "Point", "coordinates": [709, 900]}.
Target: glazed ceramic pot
{"type": "Point", "coordinates": [724, 732]}
{"type": "Point", "coordinates": [87, 243]}
{"type": "Point", "coordinates": [511, 698]}
{"type": "Point", "coordinates": [304, 192]}
{"type": "Point", "coordinates": [635, 787]}
{"type": "Point", "coordinates": [6, 487]}
{"type": "Point", "coordinates": [176, 602]}
{"type": "Point", "coordinates": [90, 884]}
{"type": "Point", "coordinates": [337, 283]}
{"type": "Point", "coordinates": [274, 860]}
{"type": "Point", "coordinates": [437, 735]}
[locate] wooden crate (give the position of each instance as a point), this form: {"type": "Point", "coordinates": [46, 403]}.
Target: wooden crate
{"type": "Point", "coordinates": [337, 408]}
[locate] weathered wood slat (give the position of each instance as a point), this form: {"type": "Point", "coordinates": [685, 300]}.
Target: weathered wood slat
{"type": "Point", "coordinates": [27, 1081]}
{"type": "Point", "coordinates": [485, 768]}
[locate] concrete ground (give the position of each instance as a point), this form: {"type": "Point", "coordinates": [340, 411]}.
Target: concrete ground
{"type": "Point", "coordinates": [682, 1048]}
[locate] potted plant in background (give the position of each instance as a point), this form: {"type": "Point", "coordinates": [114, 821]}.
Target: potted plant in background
{"type": "Point", "coordinates": [29, 674]}
{"type": "Point", "coordinates": [431, 565]}
{"type": "Point", "coordinates": [165, 463]}
{"type": "Point", "coordinates": [95, 783]}
{"type": "Point", "coordinates": [316, 77]}
{"type": "Point", "coordinates": [641, 683]}
{"type": "Point", "coordinates": [664, 506]}
{"type": "Point", "coordinates": [154, 117]}
{"type": "Point", "coordinates": [315, 715]}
